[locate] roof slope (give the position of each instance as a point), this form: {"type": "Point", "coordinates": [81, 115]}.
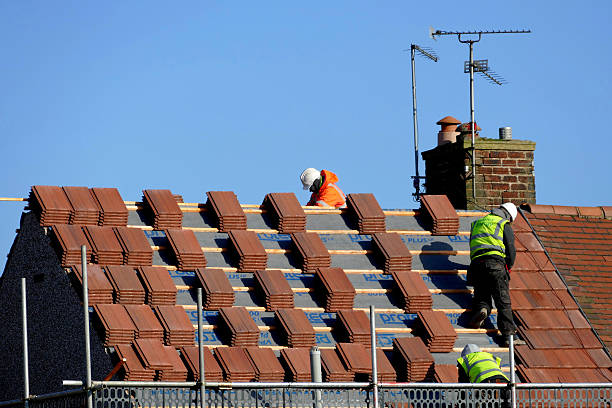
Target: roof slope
{"type": "Point", "coordinates": [579, 242]}
{"type": "Point", "coordinates": [403, 278]}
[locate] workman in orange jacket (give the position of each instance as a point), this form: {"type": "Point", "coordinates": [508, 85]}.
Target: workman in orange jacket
{"type": "Point", "coordinates": [322, 184]}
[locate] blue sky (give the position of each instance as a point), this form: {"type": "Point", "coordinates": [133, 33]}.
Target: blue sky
{"type": "Point", "coordinates": [195, 96]}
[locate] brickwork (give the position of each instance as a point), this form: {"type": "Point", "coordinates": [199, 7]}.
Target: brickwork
{"type": "Point", "coordinates": [504, 172]}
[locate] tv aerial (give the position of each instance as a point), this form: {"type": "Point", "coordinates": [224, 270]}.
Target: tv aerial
{"type": "Point", "coordinates": [471, 66]}
{"type": "Point", "coordinates": [429, 54]}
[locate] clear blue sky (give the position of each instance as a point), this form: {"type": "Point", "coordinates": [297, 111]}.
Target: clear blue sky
{"type": "Point", "coordinates": [205, 95]}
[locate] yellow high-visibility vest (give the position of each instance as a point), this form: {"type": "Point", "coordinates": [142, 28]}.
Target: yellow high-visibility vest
{"type": "Point", "coordinates": [480, 365]}
{"type": "Point", "coordinates": [487, 236]}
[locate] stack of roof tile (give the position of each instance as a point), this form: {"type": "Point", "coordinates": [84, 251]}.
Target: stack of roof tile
{"type": "Point", "coordinates": [333, 369]}
{"type": "Point", "coordinates": [438, 333]}
{"type": "Point", "coordinates": [354, 327]}
{"type": "Point", "coordinates": [216, 287]}
{"type": "Point", "coordinates": [116, 323]}
{"type": "Point", "coordinates": [356, 358]}
{"type": "Point", "coordinates": [249, 250]}
{"type": "Point", "coordinates": [136, 249]}
{"type": "Point", "coordinates": [310, 251]}
{"type": "Point", "coordinates": [99, 289]}
{"type": "Point", "coordinates": [414, 362]}
{"type": "Point", "coordinates": [273, 287]}
{"type": "Point", "coordinates": [370, 217]}
{"type": "Point", "coordinates": [227, 210]}
{"type": "Point", "coordinates": [296, 328]}
{"type": "Point", "coordinates": [162, 206]}
{"type": "Point", "coordinates": [178, 330]}
{"type": "Point", "coordinates": [126, 285]}
{"type": "Point", "coordinates": [133, 367]}
{"type": "Point", "coordinates": [146, 324]}
{"type": "Point", "coordinates": [177, 372]}
{"type": "Point", "coordinates": [84, 210]}
{"type": "Point", "coordinates": [297, 364]}
{"type": "Point", "coordinates": [186, 249]}
{"type": "Point", "coordinates": [266, 365]}
{"type": "Point", "coordinates": [153, 356]}
{"type": "Point", "coordinates": [446, 373]}
{"type": "Point", "coordinates": [113, 211]}
{"type": "Point", "coordinates": [238, 323]}
{"type": "Point", "coordinates": [67, 240]}
{"type": "Point", "coordinates": [334, 289]}
{"type": "Point", "coordinates": [392, 251]}
{"type": "Point", "coordinates": [50, 204]}
{"type": "Point", "coordinates": [158, 285]}
{"type": "Point", "coordinates": [412, 291]}
{"type": "Point", "coordinates": [285, 211]}
{"type": "Point", "coordinates": [235, 364]}
{"type": "Point", "coordinates": [441, 213]}
{"type": "Point", "coordinates": [212, 371]}
{"type": "Point", "coordinates": [105, 247]}
{"type": "Point", "coordinates": [386, 372]}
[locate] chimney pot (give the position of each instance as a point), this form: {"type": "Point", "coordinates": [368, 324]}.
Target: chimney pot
{"type": "Point", "coordinates": [505, 133]}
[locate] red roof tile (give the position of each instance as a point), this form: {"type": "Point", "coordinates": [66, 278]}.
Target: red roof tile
{"type": "Point", "coordinates": [285, 211]}
{"type": "Point", "coordinates": [366, 212]}
{"type": "Point", "coordinates": [578, 245]}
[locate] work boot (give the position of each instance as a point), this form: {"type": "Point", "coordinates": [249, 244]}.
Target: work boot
{"type": "Point", "coordinates": [505, 341]}
{"type": "Point", "coordinates": [478, 318]}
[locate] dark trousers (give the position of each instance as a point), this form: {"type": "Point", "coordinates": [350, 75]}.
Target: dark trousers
{"type": "Point", "coordinates": [490, 280]}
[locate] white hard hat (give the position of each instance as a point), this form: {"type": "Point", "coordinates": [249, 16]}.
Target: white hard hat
{"type": "Point", "coordinates": [309, 176]}
{"type": "Point", "coordinates": [511, 208]}
{"type": "Point", "coordinates": [469, 348]}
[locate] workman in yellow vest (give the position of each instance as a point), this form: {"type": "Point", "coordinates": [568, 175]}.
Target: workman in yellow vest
{"type": "Point", "coordinates": [492, 255]}
{"type": "Point", "coordinates": [476, 366]}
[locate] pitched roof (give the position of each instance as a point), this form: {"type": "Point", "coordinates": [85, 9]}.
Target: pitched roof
{"type": "Point", "coordinates": [375, 272]}
{"type": "Point", "coordinates": [579, 243]}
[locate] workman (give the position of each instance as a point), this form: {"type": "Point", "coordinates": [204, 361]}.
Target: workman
{"type": "Point", "coordinates": [492, 255]}
{"type": "Point", "coordinates": [322, 184]}
{"type": "Point", "coordinates": [477, 366]}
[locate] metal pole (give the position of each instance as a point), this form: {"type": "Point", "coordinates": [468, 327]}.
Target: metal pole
{"type": "Point", "coordinates": [417, 182]}
{"type": "Point", "coordinates": [472, 119]}
{"type": "Point", "coordinates": [374, 362]}
{"type": "Point", "coordinates": [26, 361]}
{"type": "Point", "coordinates": [86, 316]}
{"type": "Point", "coordinates": [201, 351]}
{"type": "Point", "coordinates": [512, 373]}
{"type": "Point", "coordinates": [315, 371]}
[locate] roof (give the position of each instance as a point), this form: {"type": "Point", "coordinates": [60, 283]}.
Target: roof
{"type": "Point", "coordinates": [284, 277]}
{"type": "Point", "coordinates": [578, 241]}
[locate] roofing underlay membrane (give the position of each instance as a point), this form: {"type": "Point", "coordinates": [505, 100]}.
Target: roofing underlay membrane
{"type": "Point", "coordinates": [415, 279]}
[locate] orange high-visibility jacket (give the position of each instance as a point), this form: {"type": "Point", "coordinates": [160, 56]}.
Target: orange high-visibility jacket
{"type": "Point", "coordinates": [329, 195]}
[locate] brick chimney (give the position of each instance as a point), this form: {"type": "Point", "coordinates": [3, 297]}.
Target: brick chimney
{"type": "Point", "coordinates": [504, 170]}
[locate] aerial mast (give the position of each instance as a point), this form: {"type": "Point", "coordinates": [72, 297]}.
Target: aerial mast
{"type": "Point", "coordinates": [475, 66]}
{"type": "Point", "coordinates": [430, 54]}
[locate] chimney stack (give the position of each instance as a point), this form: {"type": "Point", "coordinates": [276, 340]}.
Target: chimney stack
{"type": "Point", "coordinates": [504, 168]}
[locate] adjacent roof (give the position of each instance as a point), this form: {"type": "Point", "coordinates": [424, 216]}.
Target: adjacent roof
{"type": "Point", "coordinates": [578, 241]}
{"type": "Point", "coordinates": [413, 272]}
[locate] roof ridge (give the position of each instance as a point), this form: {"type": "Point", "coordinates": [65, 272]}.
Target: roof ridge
{"type": "Point", "coordinates": [601, 212]}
